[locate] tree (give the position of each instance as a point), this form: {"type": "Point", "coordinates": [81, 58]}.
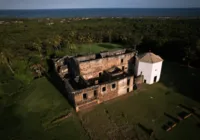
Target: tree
{"type": "Point", "coordinates": [5, 59]}
{"type": "Point", "coordinates": [136, 40]}
{"type": "Point", "coordinates": [109, 33]}
{"type": "Point", "coordinates": [71, 46]}
{"type": "Point", "coordinates": [89, 40]}
{"type": "Point", "coordinates": [38, 69]}
{"type": "Point", "coordinates": [190, 55]}
{"type": "Point", "coordinates": [198, 46]}
{"type": "Point", "coordinates": [38, 46]}
{"type": "Point", "coordinates": [56, 40]}
{"type": "Point", "coordinates": [81, 38]}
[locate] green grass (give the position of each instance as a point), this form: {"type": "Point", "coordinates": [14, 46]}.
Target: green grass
{"type": "Point", "coordinates": [124, 114]}
{"type": "Point", "coordinates": [93, 48]}
{"type": "Point", "coordinates": [119, 117]}
{"type": "Point", "coordinates": [29, 115]}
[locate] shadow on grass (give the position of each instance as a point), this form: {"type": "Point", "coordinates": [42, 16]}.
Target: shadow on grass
{"type": "Point", "coordinates": [56, 81]}
{"type": "Point", "coordinates": [171, 117]}
{"type": "Point", "coordinates": [182, 79]}
{"type": "Point", "coordinates": [190, 110]}
{"type": "Point", "coordinates": [9, 123]}
{"type": "Point", "coordinates": [146, 130]}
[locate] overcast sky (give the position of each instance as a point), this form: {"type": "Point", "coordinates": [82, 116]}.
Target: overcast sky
{"type": "Point", "coordinates": [48, 4]}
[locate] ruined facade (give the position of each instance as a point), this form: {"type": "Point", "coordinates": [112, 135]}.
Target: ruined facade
{"type": "Point", "coordinates": [93, 79]}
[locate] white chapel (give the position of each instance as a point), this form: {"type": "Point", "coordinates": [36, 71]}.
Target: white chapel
{"type": "Point", "coordinates": [150, 66]}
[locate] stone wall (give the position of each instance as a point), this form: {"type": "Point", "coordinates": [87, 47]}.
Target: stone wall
{"type": "Point", "coordinates": [79, 96]}
{"type": "Point", "coordinates": [92, 68]}
{"type": "Point", "coordinates": [85, 58]}
{"type": "Point", "coordinates": [103, 92]}
{"type": "Point", "coordinates": [139, 80]}
{"type": "Point", "coordinates": [109, 93]}
{"type": "Point", "coordinates": [125, 85]}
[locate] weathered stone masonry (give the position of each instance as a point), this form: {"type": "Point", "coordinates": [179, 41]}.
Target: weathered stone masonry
{"type": "Point", "coordinates": [93, 79]}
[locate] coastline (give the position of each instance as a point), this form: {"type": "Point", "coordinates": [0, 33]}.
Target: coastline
{"type": "Point", "coordinates": [102, 12]}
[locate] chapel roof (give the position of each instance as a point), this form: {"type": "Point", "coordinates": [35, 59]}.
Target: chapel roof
{"type": "Point", "coordinates": [150, 58]}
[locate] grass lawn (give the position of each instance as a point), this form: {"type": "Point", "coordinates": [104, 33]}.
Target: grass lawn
{"type": "Point", "coordinates": [28, 115]}
{"type": "Point", "coordinates": [92, 48]}
{"type": "Point", "coordinates": [119, 118]}
{"type": "Point", "coordinates": [95, 48]}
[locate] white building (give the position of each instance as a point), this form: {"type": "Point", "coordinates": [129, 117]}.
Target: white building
{"type": "Point", "coordinates": [150, 66]}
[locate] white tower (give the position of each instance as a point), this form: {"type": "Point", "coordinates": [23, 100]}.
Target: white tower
{"type": "Point", "coordinates": [149, 65]}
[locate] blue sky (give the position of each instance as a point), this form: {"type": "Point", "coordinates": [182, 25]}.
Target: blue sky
{"type": "Point", "coordinates": [48, 4]}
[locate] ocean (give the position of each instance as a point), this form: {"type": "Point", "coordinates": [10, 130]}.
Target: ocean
{"type": "Point", "coordinates": [100, 12]}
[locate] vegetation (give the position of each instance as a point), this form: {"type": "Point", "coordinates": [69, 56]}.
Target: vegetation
{"type": "Point", "coordinates": [30, 103]}
{"type": "Point", "coordinates": [29, 113]}
{"type": "Point", "coordinates": [35, 40]}
{"type": "Point", "coordinates": [119, 118]}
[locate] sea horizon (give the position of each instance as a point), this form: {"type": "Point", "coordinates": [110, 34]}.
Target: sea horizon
{"type": "Point", "coordinates": [104, 8]}
{"type": "Point", "coordinates": [99, 12]}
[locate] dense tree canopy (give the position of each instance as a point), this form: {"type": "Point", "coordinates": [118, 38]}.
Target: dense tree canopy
{"type": "Point", "coordinates": [35, 40]}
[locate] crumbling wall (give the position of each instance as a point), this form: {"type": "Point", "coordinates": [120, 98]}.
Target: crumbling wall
{"type": "Point", "coordinates": [104, 92]}
{"type": "Point", "coordinates": [92, 98]}
{"type": "Point", "coordinates": [139, 80]}
{"type": "Point", "coordinates": [73, 67]}
{"type": "Point", "coordinates": [83, 82]}
{"type": "Point", "coordinates": [110, 92]}
{"type": "Point", "coordinates": [125, 85]}
{"type": "Point", "coordinates": [69, 90]}
{"type": "Point", "coordinates": [92, 68]}
{"type": "Point", "coordinates": [79, 98]}
{"type": "Point", "coordinates": [111, 53]}
{"type": "Point", "coordinates": [86, 57]}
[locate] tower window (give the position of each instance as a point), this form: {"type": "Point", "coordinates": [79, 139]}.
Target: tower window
{"type": "Point", "coordinates": [100, 74]}
{"type": "Point", "coordinates": [113, 86]}
{"type": "Point", "coordinates": [84, 96]}
{"type": "Point", "coordinates": [122, 60]}
{"type": "Point", "coordinates": [95, 93]}
{"type": "Point", "coordinates": [128, 81]}
{"type": "Point", "coordinates": [104, 89]}
{"type": "Point", "coordinates": [127, 89]}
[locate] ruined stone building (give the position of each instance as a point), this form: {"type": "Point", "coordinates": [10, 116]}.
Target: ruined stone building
{"type": "Point", "coordinates": [95, 78]}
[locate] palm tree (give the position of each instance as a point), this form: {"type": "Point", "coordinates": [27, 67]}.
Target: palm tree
{"type": "Point", "coordinates": [190, 55]}
{"type": "Point", "coordinates": [5, 59]}
{"type": "Point", "coordinates": [90, 41]}
{"type": "Point", "coordinates": [71, 46]}
{"type": "Point", "coordinates": [56, 41]}
{"type": "Point", "coordinates": [135, 40]}
{"type": "Point", "coordinates": [109, 32]}
{"type": "Point", "coordinates": [198, 46]}
{"type": "Point", "coordinates": [38, 46]}
{"type": "Point", "coordinates": [81, 38]}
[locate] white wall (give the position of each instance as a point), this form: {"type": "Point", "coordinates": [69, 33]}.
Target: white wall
{"type": "Point", "coordinates": [150, 70]}
{"type": "Point", "coordinates": [156, 71]}
{"type": "Point", "coordinates": [146, 69]}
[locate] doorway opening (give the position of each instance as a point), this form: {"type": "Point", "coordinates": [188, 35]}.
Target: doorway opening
{"type": "Point", "coordinates": [155, 79]}
{"type": "Point", "coordinates": [145, 81]}
{"type": "Point", "coordinates": [127, 89]}
{"type": "Point", "coordinates": [123, 68]}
